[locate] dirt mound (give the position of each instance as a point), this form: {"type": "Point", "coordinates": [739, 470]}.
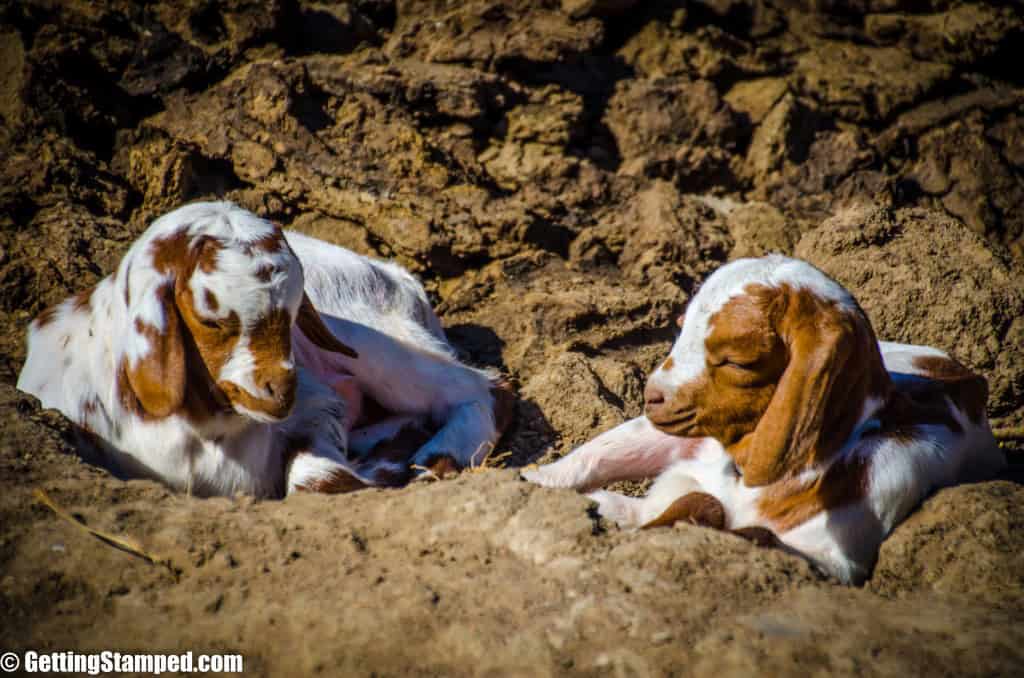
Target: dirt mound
{"type": "Point", "coordinates": [562, 175]}
{"type": "Point", "coordinates": [482, 574]}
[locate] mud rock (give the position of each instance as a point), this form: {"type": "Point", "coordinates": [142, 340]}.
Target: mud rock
{"type": "Point", "coordinates": [51, 170]}
{"type": "Point", "coordinates": [796, 630]}
{"type": "Point", "coordinates": [337, 27]}
{"type": "Point", "coordinates": [676, 129]}
{"type": "Point", "coordinates": [309, 132]}
{"type": "Point", "coordinates": [658, 236]}
{"type": "Point", "coordinates": [785, 134]}
{"type": "Point", "coordinates": [12, 83]}
{"type": "Point", "coordinates": [488, 32]}
{"type": "Point", "coordinates": [759, 229]}
{"type": "Point", "coordinates": [953, 290]}
{"type": "Point", "coordinates": [1009, 133]}
{"type": "Point", "coordinates": [537, 134]}
{"type": "Point", "coordinates": [223, 29]}
{"type": "Point", "coordinates": [537, 308]}
{"type": "Point", "coordinates": [581, 8]}
{"type": "Point", "coordinates": [670, 46]}
{"type": "Point", "coordinates": [959, 542]}
{"type": "Point", "coordinates": [964, 35]}
{"type": "Point", "coordinates": [756, 98]}
{"type": "Point", "coordinates": [866, 84]}
{"type": "Point", "coordinates": [801, 161]}
{"type": "Point", "coordinates": [981, 188]}
{"type": "Point", "coordinates": [605, 393]}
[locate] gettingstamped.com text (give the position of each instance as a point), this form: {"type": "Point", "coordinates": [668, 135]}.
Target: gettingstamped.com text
{"type": "Point", "coordinates": [119, 662]}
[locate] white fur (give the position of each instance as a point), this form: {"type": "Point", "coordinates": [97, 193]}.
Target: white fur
{"type": "Point", "coordinates": [405, 363]}
{"type": "Point", "coordinates": [382, 311]}
{"type": "Point", "coordinates": [843, 541]}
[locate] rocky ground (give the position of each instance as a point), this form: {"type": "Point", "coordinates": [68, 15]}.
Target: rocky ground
{"type": "Point", "coordinates": [561, 175]}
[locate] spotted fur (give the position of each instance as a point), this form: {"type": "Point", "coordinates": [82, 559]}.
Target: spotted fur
{"type": "Point", "coordinates": [778, 402]}
{"type": "Point", "coordinates": [202, 361]}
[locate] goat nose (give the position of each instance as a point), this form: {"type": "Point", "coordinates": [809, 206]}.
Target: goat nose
{"type": "Point", "coordinates": [653, 396]}
{"type": "Point", "coordinates": [281, 390]}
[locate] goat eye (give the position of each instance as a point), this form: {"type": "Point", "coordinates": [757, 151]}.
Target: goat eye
{"type": "Point", "coordinates": [212, 324]}
{"type": "Point", "coordinates": [745, 366]}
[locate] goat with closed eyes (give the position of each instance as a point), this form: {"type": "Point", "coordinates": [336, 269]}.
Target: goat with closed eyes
{"type": "Point", "coordinates": [779, 416]}
{"type": "Point", "coordinates": [203, 361]}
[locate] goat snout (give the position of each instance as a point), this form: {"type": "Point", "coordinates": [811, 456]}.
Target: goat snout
{"type": "Point", "coordinates": [653, 396]}
{"type": "Point", "coordinates": [655, 405]}
{"type": "Point", "coordinates": [282, 389]}
{"type": "Point", "coordinates": [274, 404]}
{"type": "Point", "coordinates": [669, 412]}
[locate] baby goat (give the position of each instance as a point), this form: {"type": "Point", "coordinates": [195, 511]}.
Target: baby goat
{"type": "Point", "coordinates": [780, 416]}
{"type": "Point", "coordinates": [203, 362]}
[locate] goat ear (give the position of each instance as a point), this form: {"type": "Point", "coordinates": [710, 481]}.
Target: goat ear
{"type": "Point", "coordinates": [800, 423]}
{"type": "Point", "coordinates": [156, 371]}
{"type": "Point", "coordinates": [312, 325]}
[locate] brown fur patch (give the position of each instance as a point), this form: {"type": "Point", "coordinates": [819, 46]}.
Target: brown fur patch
{"type": "Point", "coordinates": [725, 402]}
{"type": "Point", "coordinates": [834, 365]}
{"type": "Point", "coordinates": [760, 536]}
{"type": "Point", "coordinates": [444, 466]}
{"type": "Point", "coordinates": [312, 325]}
{"type": "Point", "coordinates": [668, 364]}
{"type": "Point", "coordinates": [207, 350]}
{"type": "Point", "coordinates": [206, 252]}
{"type": "Point", "coordinates": [337, 481]}
{"type": "Point", "coordinates": [82, 301]}
{"type": "Point", "coordinates": [211, 300]}
{"type": "Point", "coordinates": [965, 388]}
{"type": "Point", "coordinates": [125, 394]}
{"type": "Point", "coordinates": [46, 317]}
{"type": "Point", "coordinates": [203, 398]}
{"type": "Point", "coordinates": [265, 272]}
{"type": "Point", "coordinates": [696, 508]}
{"type": "Point", "coordinates": [272, 242]}
{"type": "Point", "coordinates": [127, 285]}
{"type": "Point", "coordinates": [270, 343]}
{"type": "Point", "coordinates": [177, 254]}
{"type": "Point", "coordinates": [922, 401]}
{"type": "Point", "coordinates": [504, 405]}
{"type": "Point", "coordinates": [402, 446]}
{"type": "Point", "coordinates": [157, 379]}
{"type": "Point", "coordinates": [170, 253]}
{"type": "Point", "coordinates": [90, 406]}
{"type": "Point", "coordinates": [789, 502]}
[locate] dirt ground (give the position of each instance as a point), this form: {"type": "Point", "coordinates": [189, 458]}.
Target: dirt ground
{"type": "Point", "coordinates": [561, 175]}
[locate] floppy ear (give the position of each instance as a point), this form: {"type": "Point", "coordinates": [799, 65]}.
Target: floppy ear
{"type": "Point", "coordinates": [312, 325]}
{"type": "Point", "coordinates": [833, 365]}
{"type": "Point", "coordinates": [156, 371]}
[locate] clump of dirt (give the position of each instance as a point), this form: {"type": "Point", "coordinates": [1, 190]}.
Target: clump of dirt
{"type": "Point", "coordinates": [562, 175]}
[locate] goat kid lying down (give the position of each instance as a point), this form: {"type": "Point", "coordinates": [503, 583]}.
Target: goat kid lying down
{"type": "Point", "coordinates": [203, 362]}
{"type": "Point", "coordinates": [779, 415]}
